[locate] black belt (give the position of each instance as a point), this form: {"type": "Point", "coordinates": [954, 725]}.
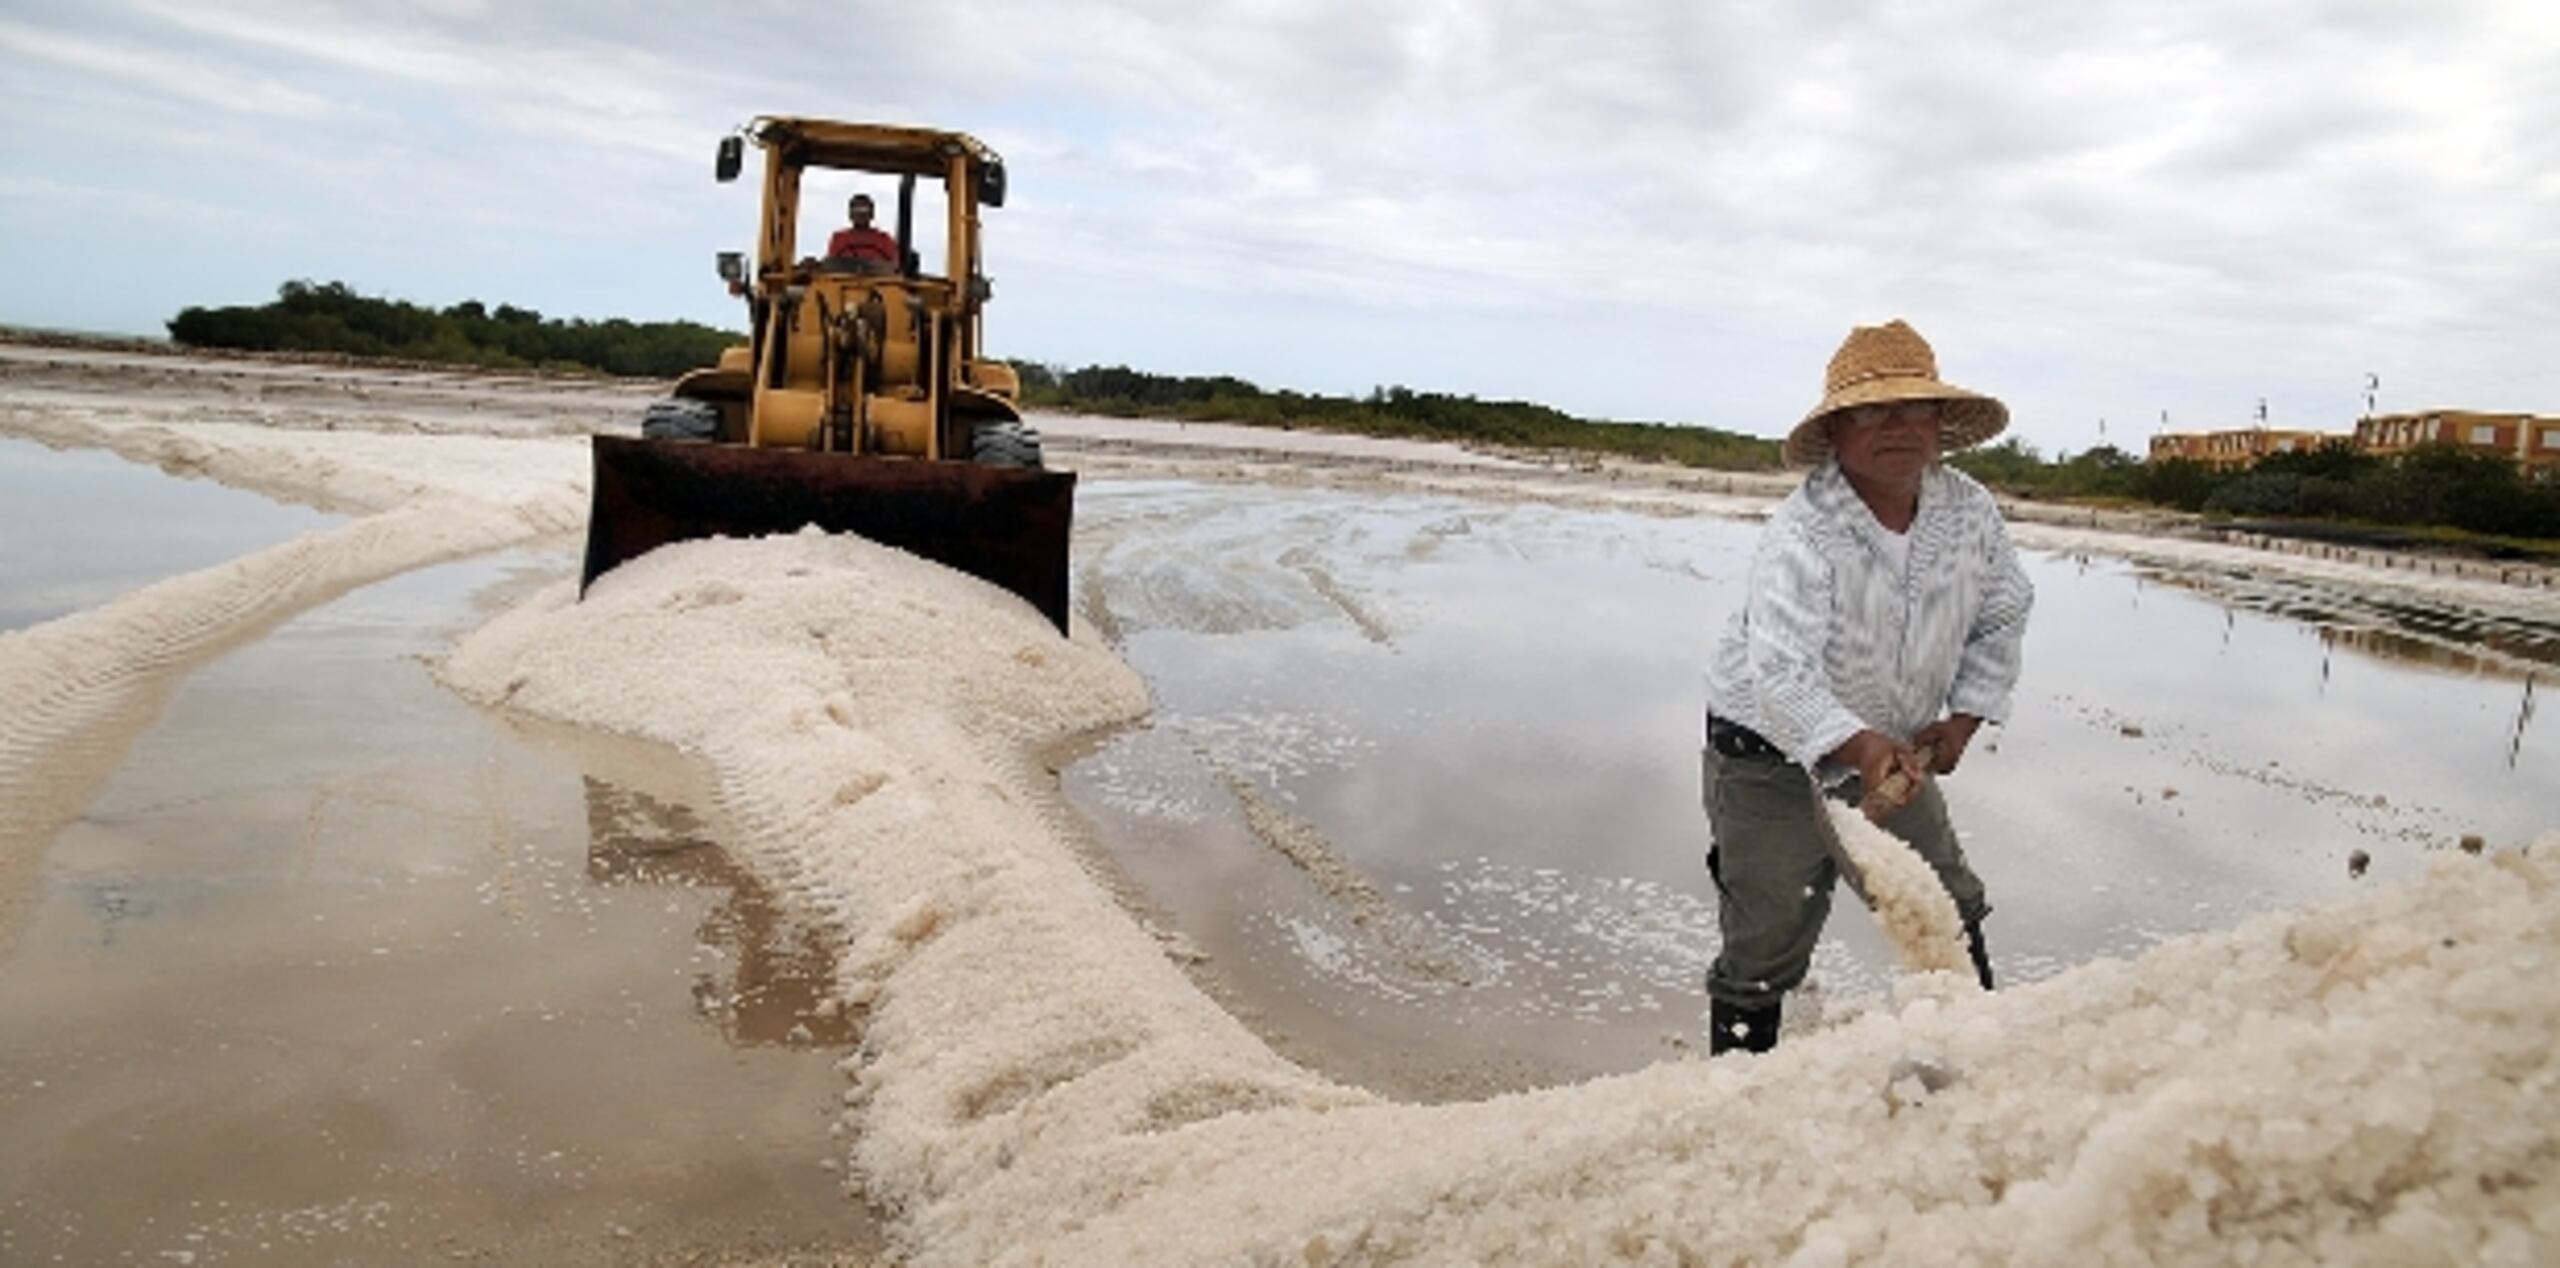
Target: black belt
{"type": "Point", "coordinates": [1736, 740]}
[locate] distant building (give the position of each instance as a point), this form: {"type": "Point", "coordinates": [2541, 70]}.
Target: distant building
{"type": "Point", "coordinates": [2532, 440]}
{"type": "Point", "coordinates": [2239, 448]}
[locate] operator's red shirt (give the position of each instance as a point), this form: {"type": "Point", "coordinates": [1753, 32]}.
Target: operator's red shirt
{"type": "Point", "coordinates": [863, 244]}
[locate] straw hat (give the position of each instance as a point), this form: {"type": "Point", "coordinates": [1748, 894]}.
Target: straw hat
{"type": "Point", "coordinates": [1891, 362]}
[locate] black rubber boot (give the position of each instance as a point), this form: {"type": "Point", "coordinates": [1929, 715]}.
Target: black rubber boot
{"type": "Point", "coordinates": [1731, 1026]}
{"type": "Point", "coordinates": [1981, 955]}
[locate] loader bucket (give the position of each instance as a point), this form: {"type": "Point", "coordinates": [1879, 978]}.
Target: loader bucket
{"type": "Point", "coordinates": [1006, 525]}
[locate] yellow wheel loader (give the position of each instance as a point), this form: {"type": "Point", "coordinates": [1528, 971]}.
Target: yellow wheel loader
{"type": "Point", "coordinates": [861, 402]}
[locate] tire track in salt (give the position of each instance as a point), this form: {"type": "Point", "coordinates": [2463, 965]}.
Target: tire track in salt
{"type": "Point", "coordinates": [76, 690]}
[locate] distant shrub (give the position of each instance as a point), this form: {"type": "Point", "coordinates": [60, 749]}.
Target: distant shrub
{"type": "Point", "coordinates": [2326, 498]}
{"type": "Point", "coordinates": [2258, 493]}
{"type": "Point", "coordinates": [332, 317]}
{"type": "Point", "coordinates": [2180, 482]}
{"type": "Point", "coordinates": [1400, 411]}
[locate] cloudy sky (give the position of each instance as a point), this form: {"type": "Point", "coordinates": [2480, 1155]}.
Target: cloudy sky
{"type": "Point", "coordinates": [1652, 209]}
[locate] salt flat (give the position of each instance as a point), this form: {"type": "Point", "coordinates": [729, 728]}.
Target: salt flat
{"type": "Point", "coordinates": [1036, 1082]}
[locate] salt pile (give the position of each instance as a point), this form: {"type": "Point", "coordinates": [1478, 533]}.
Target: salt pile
{"type": "Point", "coordinates": [1910, 904]}
{"type": "Point", "coordinates": [1037, 1084]}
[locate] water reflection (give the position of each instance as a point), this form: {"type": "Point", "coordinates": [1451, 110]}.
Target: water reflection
{"type": "Point", "coordinates": [2406, 633]}
{"type": "Point", "coordinates": [2412, 632]}
{"type": "Point", "coordinates": [2423, 653]}
{"type": "Point", "coordinates": [80, 527]}
{"type": "Point", "coordinates": [2524, 718]}
{"type": "Point", "coordinates": [781, 987]}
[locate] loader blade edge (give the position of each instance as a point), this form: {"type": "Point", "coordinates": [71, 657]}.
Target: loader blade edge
{"type": "Point", "coordinates": [1006, 525]}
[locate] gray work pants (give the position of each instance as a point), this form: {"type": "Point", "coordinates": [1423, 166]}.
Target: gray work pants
{"type": "Point", "coordinates": [1773, 864]}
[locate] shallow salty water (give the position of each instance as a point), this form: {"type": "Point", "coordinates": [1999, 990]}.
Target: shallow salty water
{"type": "Point", "coordinates": [1423, 775]}
{"type": "Point", "coordinates": [79, 527]}
{"type": "Point", "coordinates": [335, 968]}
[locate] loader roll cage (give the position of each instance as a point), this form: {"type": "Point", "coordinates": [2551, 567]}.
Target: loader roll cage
{"type": "Point", "coordinates": [972, 174]}
{"type": "Point", "coordinates": [808, 315]}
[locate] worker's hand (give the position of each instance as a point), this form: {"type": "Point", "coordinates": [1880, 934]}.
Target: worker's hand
{"type": "Point", "coordinates": [1890, 772]}
{"type": "Point", "coordinates": [1945, 739]}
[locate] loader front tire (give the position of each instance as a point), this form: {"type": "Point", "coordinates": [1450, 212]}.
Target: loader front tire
{"type": "Point", "coordinates": [1004, 444]}
{"type": "Point", "coordinates": [680, 418]}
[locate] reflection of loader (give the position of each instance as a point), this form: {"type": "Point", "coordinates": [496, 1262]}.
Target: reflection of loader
{"type": "Point", "coordinates": [781, 988]}
{"type": "Point", "coordinates": [861, 402]}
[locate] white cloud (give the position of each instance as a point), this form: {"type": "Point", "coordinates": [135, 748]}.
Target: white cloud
{"type": "Point", "coordinates": [2105, 209]}
{"type": "Point", "coordinates": [156, 74]}
{"type": "Point", "coordinates": [63, 198]}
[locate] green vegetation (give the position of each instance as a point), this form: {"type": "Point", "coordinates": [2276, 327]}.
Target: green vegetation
{"type": "Point", "coordinates": [2103, 474]}
{"type": "Point", "coordinates": [2436, 487]}
{"type": "Point", "coordinates": [1121, 392]}
{"type": "Point", "coordinates": [331, 317]}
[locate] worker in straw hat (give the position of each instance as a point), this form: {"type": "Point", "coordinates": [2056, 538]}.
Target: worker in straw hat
{"type": "Point", "coordinates": [1881, 629]}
